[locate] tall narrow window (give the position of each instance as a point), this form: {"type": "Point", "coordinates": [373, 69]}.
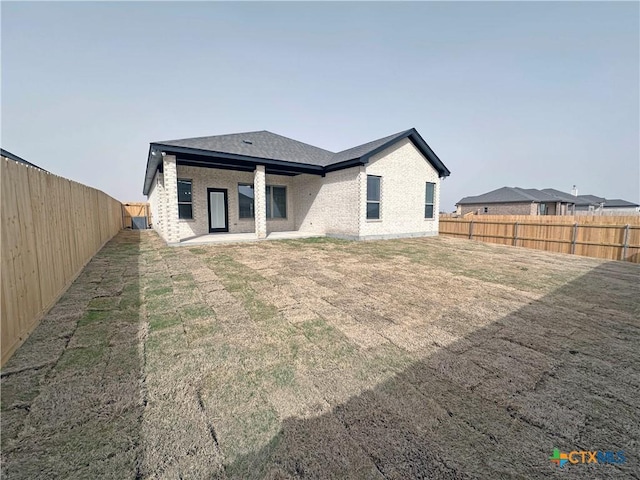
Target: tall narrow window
{"type": "Point", "coordinates": [245, 201]}
{"type": "Point", "coordinates": [185, 201]}
{"type": "Point", "coordinates": [430, 194]}
{"type": "Point", "coordinates": [373, 197]}
{"type": "Point", "coordinates": [276, 202]}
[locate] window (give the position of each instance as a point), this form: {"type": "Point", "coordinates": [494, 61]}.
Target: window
{"type": "Point", "coordinates": [185, 205]}
{"type": "Point", "coordinates": [486, 209]}
{"type": "Point", "coordinates": [245, 201]}
{"type": "Point", "coordinates": [430, 193]}
{"type": "Point", "coordinates": [373, 197]}
{"type": "Point", "coordinates": [276, 201]}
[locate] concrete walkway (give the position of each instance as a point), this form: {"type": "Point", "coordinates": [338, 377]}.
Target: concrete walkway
{"type": "Point", "coordinates": [244, 237]}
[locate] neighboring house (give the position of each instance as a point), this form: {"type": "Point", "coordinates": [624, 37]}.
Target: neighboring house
{"type": "Point", "coordinates": [619, 206]}
{"type": "Point", "coordinates": [548, 201]}
{"type": "Point", "coordinates": [515, 201]}
{"type": "Point", "coordinates": [262, 182]}
{"type": "Point", "coordinates": [6, 154]}
{"type": "Point", "coordinates": [588, 203]}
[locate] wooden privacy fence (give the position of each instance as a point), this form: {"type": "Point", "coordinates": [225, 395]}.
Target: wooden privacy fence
{"type": "Point", "coordinates": [612, 238]}
{"type": "Point", "coordinates": [51, 227]}
{"type": "Point", "coordinates": [135, 209]}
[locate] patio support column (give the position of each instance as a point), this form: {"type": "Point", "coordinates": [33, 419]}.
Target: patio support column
{"type": "Point", "coordinates": [172, 230]}
{"type": "Point", "coordinates": [260, 200]}
{"type": "Point", "coordinates": [160, 223]}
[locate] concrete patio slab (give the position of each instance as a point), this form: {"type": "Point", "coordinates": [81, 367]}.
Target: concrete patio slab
{"type": "Point", "coordinates": [243, 237]}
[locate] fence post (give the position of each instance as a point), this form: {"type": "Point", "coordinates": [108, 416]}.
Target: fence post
{"type": "Point", "coordinates": [515, 234]}
{"type": "Point", "coordinates": [574, 237]}
{"type": "Point", "coordinates": [471, 230]}
{"type": "Point", "coordinates": [625, 242]}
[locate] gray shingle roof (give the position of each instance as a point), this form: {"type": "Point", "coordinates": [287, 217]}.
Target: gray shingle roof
{"type": "Point", "coordinates": [548, 195]}
{"type": "Point", "coordinates": [260, 144]}
{"type": "Point", "coordinates": [618, 202]}
{"type": "Point", "coordinates": [588, 200]}
{"type": "Point", "coordinates": [264, 144]}
{"type": "Point", "coordinates": [361, 150]}
{"type": "Point", "coordinates": [251, 147]}
{"type": "Point", "coordinates": [509, 195]}
{"type": "Point", "coordinates": [560, 195]}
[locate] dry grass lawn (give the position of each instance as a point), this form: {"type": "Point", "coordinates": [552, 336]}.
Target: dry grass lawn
{"type": "Point", "coordinates": [319, 358]}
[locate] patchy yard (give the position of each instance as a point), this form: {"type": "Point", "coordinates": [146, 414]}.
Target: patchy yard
{"type": "Point", "coordinates": [421, 358]}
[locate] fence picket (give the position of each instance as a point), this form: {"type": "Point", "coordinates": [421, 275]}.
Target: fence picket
{"type": "Point", "coordinates": [600, 237]}
{"type": "Point", "coordinates": [51, 227]}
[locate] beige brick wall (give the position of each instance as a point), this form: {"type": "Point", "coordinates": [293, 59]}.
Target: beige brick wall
{"type": "Point", "coordinates": [203, 178]}
{"type": "Point", "coordinates": [334, 204]}
{"type": "Point", "coordinates": [527, 208]}
{"type": "Point", "coordinates": [404, 171]}
{"type": "Point", "coordinates": [156, 204]}
{"type": "Point", "coordinates": [329, 204]}
{"type": "Point", "coordinates": [171, 227]}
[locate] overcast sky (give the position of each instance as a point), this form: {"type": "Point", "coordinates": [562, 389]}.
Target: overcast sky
{"type": "Point", "coordinates": [521, 94]}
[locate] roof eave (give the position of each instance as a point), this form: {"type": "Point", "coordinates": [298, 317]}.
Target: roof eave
{"type": "Point", "coordinates": [151, 172]}
{"type": "Point", "coordinates": [229, 158]}
{"type": "Point", "coordinates": [419, 142]}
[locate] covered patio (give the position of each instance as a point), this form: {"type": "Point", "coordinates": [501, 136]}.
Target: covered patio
{"type": "Point", "coordinates": [200, 194]}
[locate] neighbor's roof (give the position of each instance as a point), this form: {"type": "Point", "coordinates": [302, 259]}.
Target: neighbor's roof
{"type": "Point", "coordinates": [15, 158]}
{"type": "Point", "coordinates": [618, 203]}
{"type": "Point", "coordinates": [588, 200]}
{"type": "Point", "coordinates": [509, 195]}
{"type": "Point", "coordinates": [278, 153]}
{"type": "Point", "coordinates": [560, 195]}
{"type": "Point", "coordinates": [525, 195]}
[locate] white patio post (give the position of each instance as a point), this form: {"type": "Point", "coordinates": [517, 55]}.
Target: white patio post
{"type": "Point", "coordinates": [171, 198]}
{"type": "Point", "coordinates": [260, 201]}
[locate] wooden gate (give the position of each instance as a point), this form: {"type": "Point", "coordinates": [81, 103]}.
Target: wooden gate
{"type": "Point", "coordinates": [135, 209]}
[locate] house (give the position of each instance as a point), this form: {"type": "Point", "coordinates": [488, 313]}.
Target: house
{"type": "Point", "coordinates": [548, 201]}
{"type": "Point", "coordinates": [260, 182]}
{"type": "Point", "coordinates": [516, 201]}
{"type": "Point", "coordinates": [620, 207]}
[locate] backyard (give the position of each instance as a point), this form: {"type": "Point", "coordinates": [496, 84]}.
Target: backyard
{"type": "Point", "coordinates": [321, 358]}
